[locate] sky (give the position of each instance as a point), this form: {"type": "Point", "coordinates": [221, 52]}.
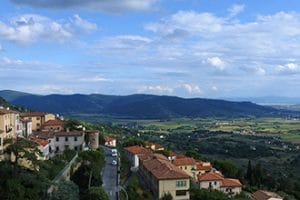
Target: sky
{"type": "Point", "coordinates": [187, 48]}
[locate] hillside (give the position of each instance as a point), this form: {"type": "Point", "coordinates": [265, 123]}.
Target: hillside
{"type": "Point", "coordinates": [139, 106]}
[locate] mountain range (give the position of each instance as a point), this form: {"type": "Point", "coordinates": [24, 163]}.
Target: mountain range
{"type": "Point", "coordinates": [139, 106]}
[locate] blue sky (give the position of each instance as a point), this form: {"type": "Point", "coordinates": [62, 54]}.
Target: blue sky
{"type": "Point", "coordinates": [189, 48]}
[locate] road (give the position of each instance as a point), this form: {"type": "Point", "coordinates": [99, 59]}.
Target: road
{"type": "Point", "coordinates": [109, 175]}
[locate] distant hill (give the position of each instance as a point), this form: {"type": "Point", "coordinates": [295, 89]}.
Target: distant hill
{"type": "Point", "coordinates": [139, 106]}
{"type": "Point", "coordinates": [270, 100]}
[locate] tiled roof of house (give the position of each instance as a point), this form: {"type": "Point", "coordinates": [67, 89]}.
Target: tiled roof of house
{"type": "Point", "coordinates": [184, 161]}
{"type": "Point", "coordinates": [33, 114]}
{"type": "Point", "coordinates": [228, 182]}
{"type": "Point", "coordinates": [211, 176]}
{"type": "Point", "coordinates": [138, 150]}
{"type": "Point", "coordinates": [54, 122]}
{"type": "Point", "coordinates": [163, 169]}
{"type": "Point", "coordinates": [7, 111]}
{"type": "Point", "coordinates": [51, 134]}
{"type": "Point", "coordinates": [40, 141]}
{"type": "Point", "coordinates": [204, 167]}
{"type": "Point", "coordinates": [70, 133]}
{"type": "Point", "coordinates": [264, 195]}
{"type": "Point", "coordinates": [44, 135]}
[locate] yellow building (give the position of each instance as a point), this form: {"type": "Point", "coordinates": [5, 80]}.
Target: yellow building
{"type": "Point", "coordinates": [38, 119]}
{"type": "Point", "coordinates": [188, 165]}
{"type": "Point", "coordinates": [9, 126]}
{"type": "Point", "coordinates": [162, 178]}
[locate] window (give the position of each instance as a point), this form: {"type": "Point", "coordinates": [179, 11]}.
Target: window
{"type": "Point", "coordinates": [37, 118]}
{"type": "Point", "coordinates": [181, 192]}
{"type": "Point", "coordinates": [215, 182]}
{"type": "Point", "coordinates": [66, 139]}
{"type": "Point", "coordinates": [57, 148]}
{"type": "Point", "coordinates": [75, 148]}
{"type": "Point", "coordinates": [75, 138]}
{"type": "Point", "coordinates": [185, 167]}
{"type": "Point", "coordinates": [180, 183]}
{"type": "Point", "coordinates": [38, 124]}
{"type": "Point", "coordinates": [57, 139]}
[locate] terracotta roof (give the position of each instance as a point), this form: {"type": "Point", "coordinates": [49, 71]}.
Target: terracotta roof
{"type": "Point", "coordinates": [178, 156]}
{"type": "Point", "coordinates": [228, 182]}
{"type": "Point", "coordinates": [264, 195]}
{"type": "Point", "coordinates": [5, 111]}
{"type": "Point", "coordinates": [163, 169]}
{"type": "Point", "coordinates": [71, 133]}
{"type": "Point", "coordinates": [202, 167]}
{"type": "Point", "coordinates": [184, 161]}
{"type": "Point", "coordinates": [54, 122]}
{"type": "Point", "coordinates": [40, 141]}
{"type": "Point", "coordinates": [210, 177]}
{"type": "Point", "coordinates": [137, 150]}
{"type": "Point", "coordinates": [33, 114]}
{"type": "Point", "coordinates": [51, 134]}
{"type": "Point", "coordinates": [44, 135]}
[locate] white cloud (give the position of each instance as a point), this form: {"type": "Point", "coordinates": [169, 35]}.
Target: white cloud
{"type": "Point", "coordinates": [108, 6]}
{"type": "Point", "coordinates": [187, 21]}
{"type": "Point", "coordinates": [155, 89]}
{"type": "Point", "coordinates": [94, 79]}
{"type": "Point", "coordinates": [192, 88]}
{"type": "Point", "coordinates": [289, 68]}
{"type": "Point", "coordinates": [215, 88]}
{"type": "Point", "coordinates": [83, 24]}
{"type": "Point", "coordinates": [30, 28]}
{"type": "Point", "coordinates": [216, 62]}
{"type": "Point", "coordinates": [236, 9]}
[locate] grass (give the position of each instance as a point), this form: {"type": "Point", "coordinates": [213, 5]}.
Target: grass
{"type": "Point", "coordinates": [293, 138]}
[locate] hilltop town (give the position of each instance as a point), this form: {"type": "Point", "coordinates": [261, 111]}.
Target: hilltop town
{"type": "Point", "coordinates": [127, 165]}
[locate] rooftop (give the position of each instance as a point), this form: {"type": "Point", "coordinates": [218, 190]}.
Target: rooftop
{"type": "Point", "coordinates": [163, 169]}
{"type": "Point", "coordinates": [228, 182]}
{"type": "Point", "coordinates": [54, 122]}
{"type": "Point", "coordinates": [264, 195]}
{"type": "Point", "coordinates": [40, 141]}
{"type": "Point", "coordinates": [33, 114]}
{"type": "Point", "coordinates": [184, 161]}
{"type": "Point", "coordinates": [211, 176]}
{"type": "Point", "coordinates": [137, 150]}
{"type": "Point", "coordinates": [4, 111]}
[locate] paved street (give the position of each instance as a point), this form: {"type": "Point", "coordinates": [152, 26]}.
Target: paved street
{"type": "Point", "coordinates": [109, 175]}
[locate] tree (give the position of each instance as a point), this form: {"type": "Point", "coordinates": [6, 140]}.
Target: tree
{"type": "Point", "coordinates": [167, 196]}
{"type": "Point", "coordinates": [132, 188]}
{"type": "Point", "coordinates": [227, 167]}
{"type": "Point", "coordinates": [249, 174]}
{"type": "Point", "coordinates": [96, 193]}
{"type": "Point", "coordinates": [66, 190]}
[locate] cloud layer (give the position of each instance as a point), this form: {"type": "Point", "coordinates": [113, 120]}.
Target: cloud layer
{"type": "Point", "coordinates": [109, 6]}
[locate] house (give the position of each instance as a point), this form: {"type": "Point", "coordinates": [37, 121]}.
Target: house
{"type": "Point", "coordinates": [61, 141]}
{"type": "Point", "coordinates": [54, 125]}
{"type": "Point", "coordinates": [265, 195]}
{"type": "Point", "coordinates": [110, 142]}
{"type": "Point", "coordinates": [216, 181]}
{"type": "Point", "coordinates": [26, 127]}
{"type": "Point", "coordinates": [154, 147]}
{"type": "Point", "coordinates": [162, 177]}
{"type": "Point", "coordinates": [203, 167]}
{"type": "Point", "coordinates": [10, 126]}
{"type": "Point", "coordinates": [133, 152]}
{"type": "Point", "coordinates": [188, 165]}
{"type": "Point", "coordinates": [44, 147]}
{"type": "Point", "coordinates": [37, 118]}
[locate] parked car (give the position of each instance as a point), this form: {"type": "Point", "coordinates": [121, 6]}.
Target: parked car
{"type": "Point", "coordinates": [114, 162]}
{"type": "Point", "coordinates": [114, 154]}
